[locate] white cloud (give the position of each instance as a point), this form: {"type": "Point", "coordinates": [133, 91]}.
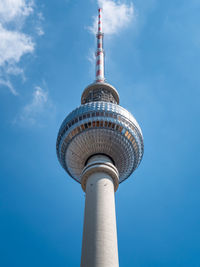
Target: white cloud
{"type": "Point", "coordinates": [15, 70]}
{"type": "Point", "coordinates": [38, 102]}
{"type": "Point", "coordinates": [91, 58]}
{"type": "Point", "coordinates": [40, 16]}
{"type": "Point", "coordinates": [40, 107]}
{"type": "Point", "coordinates": [116, 16]}
{"type": "Point", "coordinates": [39, 31]}
{"type": "Point", "coordinates": [7, 83]}
{"type": "Point", "coordinates": [12, 9]}
{"type": "Point", "coordinates": [14, 43]}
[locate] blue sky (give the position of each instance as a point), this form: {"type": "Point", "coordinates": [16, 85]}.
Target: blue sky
{"type": "Point", "coordinates": [46, 60]}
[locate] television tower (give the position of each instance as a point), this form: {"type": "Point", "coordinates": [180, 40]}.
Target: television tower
{"type": "Point", "coordinates": [99, 144]}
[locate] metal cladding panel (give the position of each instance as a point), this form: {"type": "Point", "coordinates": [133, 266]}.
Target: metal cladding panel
{"type": "Point", "coordinates": [100, 127]}
{"type": "Point", "coordinates": [100, 106]}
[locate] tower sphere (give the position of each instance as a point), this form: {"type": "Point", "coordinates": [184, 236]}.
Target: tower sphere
{"type": "Point", "coordinates": [100, 127]}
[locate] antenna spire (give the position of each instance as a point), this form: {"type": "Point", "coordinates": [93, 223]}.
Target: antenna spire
{"type": "Point", "coordinates": [100, 51]}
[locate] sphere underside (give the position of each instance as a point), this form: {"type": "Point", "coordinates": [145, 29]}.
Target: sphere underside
{"type": "Point", "coordinates": [100, 128]}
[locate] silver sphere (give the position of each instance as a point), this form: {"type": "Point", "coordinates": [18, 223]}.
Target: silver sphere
{"type": "Point", "coordinates": [100, 128]}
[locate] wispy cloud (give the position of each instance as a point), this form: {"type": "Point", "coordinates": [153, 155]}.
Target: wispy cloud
{"type": "Point", "coordinates": [116, 16]}
{"type": "Point", "coordinates": [14, 43]}
{"type": "Point", "coordinates": [38, 28]}
{"type": "Point", "coordinates": [91, 58]}
{"type": "Point", "coordinates": [39, 31]}
{"type": "Point", "coordinates": [37, 110]}
{"type": "Point", "coordinates": [9, 85]}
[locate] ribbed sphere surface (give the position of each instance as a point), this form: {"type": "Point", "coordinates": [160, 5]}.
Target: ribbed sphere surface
{"type": "Point", "coordinates": [100, 128]}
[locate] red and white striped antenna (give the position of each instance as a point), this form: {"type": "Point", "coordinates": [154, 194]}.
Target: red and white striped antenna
{"type": "Point", "coordinates": [100, 51]}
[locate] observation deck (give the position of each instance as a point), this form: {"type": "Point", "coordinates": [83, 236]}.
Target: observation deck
{"type": "Point", "coordinates": [100, 128]}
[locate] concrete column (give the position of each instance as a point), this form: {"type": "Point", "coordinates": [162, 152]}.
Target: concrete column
{"type": "Point", "coordinates": [99, 245]}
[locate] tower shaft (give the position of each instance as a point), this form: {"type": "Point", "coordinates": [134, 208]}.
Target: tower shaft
{"type": "Point", "coordinates": [100, 51]}
{"type": "Point", "coordinates": [99, 246]}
